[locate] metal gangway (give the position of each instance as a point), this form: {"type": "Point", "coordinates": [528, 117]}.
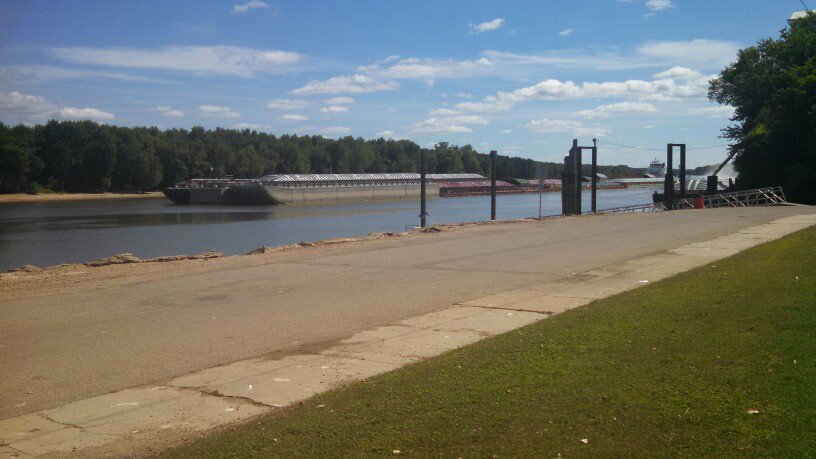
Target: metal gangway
{"type": "Point", "coordinates": [770, 196]}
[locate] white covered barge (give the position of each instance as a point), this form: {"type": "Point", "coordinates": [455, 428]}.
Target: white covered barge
{"type": "Point", "coordinates": [304, 188]}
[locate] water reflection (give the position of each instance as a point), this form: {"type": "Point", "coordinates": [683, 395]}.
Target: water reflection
{"type": "Point", "coordinates": [50, 233]}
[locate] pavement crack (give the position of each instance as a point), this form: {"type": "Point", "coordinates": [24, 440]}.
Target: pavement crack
{"type": "Point", "coordinates": [216, 393]}
{"type": "Point", "coordinates": [66, 424]}
{"type": "Point", "coordinates": [506, 308]}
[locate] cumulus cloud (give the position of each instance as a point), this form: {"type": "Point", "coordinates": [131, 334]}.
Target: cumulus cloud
{"type": "Point", "coordinates": [334, 109]}
{"type": "Point", "coordinates": [486, 26]}
{"type": "Point", "coordinates": [448, 124]}
{"type": "Point", "coordinates": [566, 32]}
{"type": "Point", "coordinates": [93, 114]}
{"type": "Point", "coordinates": [680, 73]}
{"type": "Point", "coordinates": [252, 5]}
{"type": "Point", "coordinates": [339, 100]}
{"type": "Point", "coordinates": [386, 134]}
{"type": "Point", "coordinates": [576, 128]}
{"type": "Point", "coordinates": [603, 111]}
{"type": "Point", "coordinates": [335, 130]}
{"type": "Point", "coordinates": [17, 107]}
{"type": "Point", "coordinates": [217, 111]}
{"type": "Point", "coordinates": [294, 117]}
{"type": "Point", "coordinates": [287, 104]}
{"type": "Point", "coordinates": [169, 112]}
{"type": "Point", "coordinates": [354, 84]}
{"type": "Point", "coordinates": [202, 60]}
{"type": "Point", "coordinates": [655, 90]}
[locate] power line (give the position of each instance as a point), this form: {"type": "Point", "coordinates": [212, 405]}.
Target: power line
{"type": "Point", "coordinates": [662, 149]}
{"type": "Point", "coordinates": [629, 146]}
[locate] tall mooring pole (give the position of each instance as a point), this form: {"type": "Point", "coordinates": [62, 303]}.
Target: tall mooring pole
{"type": "Point", "coordinates": [682, 170]}
{"type": "Point", "coordinates": [578, 184]}
{"type": "Point", "coordinates": [493, 185]}
{"type": "Point", "coordinates": [668, 182]}
{"type": "Point", "coordinates": [594, 175]}
{"type": "Point", "coordinates": [422, 213]}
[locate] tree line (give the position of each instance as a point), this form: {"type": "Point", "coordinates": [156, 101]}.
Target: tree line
{"type": "Point", "coordinates": [83, 156]}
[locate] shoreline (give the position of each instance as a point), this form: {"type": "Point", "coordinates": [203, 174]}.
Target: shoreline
{"type": "Point", "coordinates": [62, 197]}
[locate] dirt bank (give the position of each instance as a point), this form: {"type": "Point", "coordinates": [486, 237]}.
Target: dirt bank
{"type": "Point", "coordinates": [58, 197]}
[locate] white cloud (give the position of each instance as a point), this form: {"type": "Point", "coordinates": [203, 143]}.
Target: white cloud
{"type": "Point", "coordinates": [680, 73]}
{"type": "Point", "coordinates": [430, 69]}
{"type": "Point", "coordinates": [505, 131]}
{"type": "Point", "coordinates": [718, 111]}
{"type": "Point", "coordinates": [545, 125]}
{"type": "Point", "coordinates": [254, 4]}
{"type": "Point", "coordinates": [464, 95]}
{"type": "Point", "coordinates": [603, 111]}
{"type": "Point", "coordinates": [658, 5]}
{"type": "Point", "coordinates": [335, 130]}
{"type": "Point", "coordinates": [486, 26]}
{"type": "Point", "coordinates": [253, 127]}
{"type": "Point", "coordinates": [354, 84]}
{"type": "Point", "coordinates": [339, 101]}
{"type": "Point", "coordinates": [287, 104]}
{"type": "Point", "coordinates": [448, 124]}
{"type": "Point", "coordinates": [217, 111]}
{"type": "Point", "coordinates": [386, 134]}
{"type": "Point", "coordinates": [16, 107]}
{"type": "Point", "coordinates": [294, 117]}
{"type": "Point", "coordinates": [661, 89]}
{"type": "Point", "coordinates": [698, 52]}
{"type": "Point", "coordinates": [202, 60]}
{"type": "Point", "coordinates": [334, 109]}
{"type": "Point", "coordinates": [93, 114]}
{"type": "Point", "coordinates": [566, 32]}
{"type": "Point", "coordinates": [169, 112]}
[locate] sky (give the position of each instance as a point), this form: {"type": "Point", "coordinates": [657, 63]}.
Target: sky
{"type": "Point", "coordinates": [520, 77]}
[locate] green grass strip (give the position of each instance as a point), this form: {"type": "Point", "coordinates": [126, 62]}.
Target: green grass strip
{"type": "Point", "coordinates": [672, 368]}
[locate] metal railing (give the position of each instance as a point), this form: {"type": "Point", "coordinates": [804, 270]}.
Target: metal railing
{"type": "Point", "coordinates": [770, 196]}
{"type": "Point", "coordinates": [636, 208]}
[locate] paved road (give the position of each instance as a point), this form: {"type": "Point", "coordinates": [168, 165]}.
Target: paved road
{"type": "Point", "coordinates": [65, 341]}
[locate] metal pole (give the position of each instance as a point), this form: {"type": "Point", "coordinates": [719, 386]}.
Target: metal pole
{"type": "Point", "coordinates": [578, 183]}
{"type": "Point", "coordinates": [668, 183]}
{"type": "Point", "coordinates": [422, 212]}
{"type": "Point", "coordinates": [682, 170]}
{"type": "Point", "coordinates": [594, 175]}
{"type": "Point", "coordinates": [493, 185]}
{"type": "Point", "coordinates": [565, 189]}
{"type": "Point", "coordinates": [540, 187]}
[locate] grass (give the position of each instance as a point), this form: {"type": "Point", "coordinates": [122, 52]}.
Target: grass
{"type": "Point", "coordinates": [670, 369]}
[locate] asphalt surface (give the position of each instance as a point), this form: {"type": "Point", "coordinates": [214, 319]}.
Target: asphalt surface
{"type": "Point", "coordinates": [65, 339]}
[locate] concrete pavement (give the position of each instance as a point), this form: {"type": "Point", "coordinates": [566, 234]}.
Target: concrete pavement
{"type": "Point", "coordinates": [291, 315]}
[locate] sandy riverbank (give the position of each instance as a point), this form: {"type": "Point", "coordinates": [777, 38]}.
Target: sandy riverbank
{"type": "Point", "coordinates": [59, 197]}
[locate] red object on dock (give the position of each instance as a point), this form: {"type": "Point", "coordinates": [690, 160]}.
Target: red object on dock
{"type": "Point", "coordinates": [699, 203]}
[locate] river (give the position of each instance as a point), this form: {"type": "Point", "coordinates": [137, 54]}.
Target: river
{"type": "Point", "coordinates": [45, 234]}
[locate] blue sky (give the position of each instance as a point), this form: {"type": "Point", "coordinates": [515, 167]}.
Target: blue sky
{"type": "Point", "coordinates": [521, 77]}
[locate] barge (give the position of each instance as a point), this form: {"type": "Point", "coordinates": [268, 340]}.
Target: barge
{"type": "Point", "coordinates": [305, 188]}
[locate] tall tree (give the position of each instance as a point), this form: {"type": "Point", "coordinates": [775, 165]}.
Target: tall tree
{"type": "Point", "coordinates": [772, 87]}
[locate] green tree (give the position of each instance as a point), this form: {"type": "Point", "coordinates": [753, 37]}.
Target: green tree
{"type": "Point", "coordinates": [772, 87]}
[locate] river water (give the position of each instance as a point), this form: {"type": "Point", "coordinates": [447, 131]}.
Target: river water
{"type": "Point", "coordinates": [45, 234]}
